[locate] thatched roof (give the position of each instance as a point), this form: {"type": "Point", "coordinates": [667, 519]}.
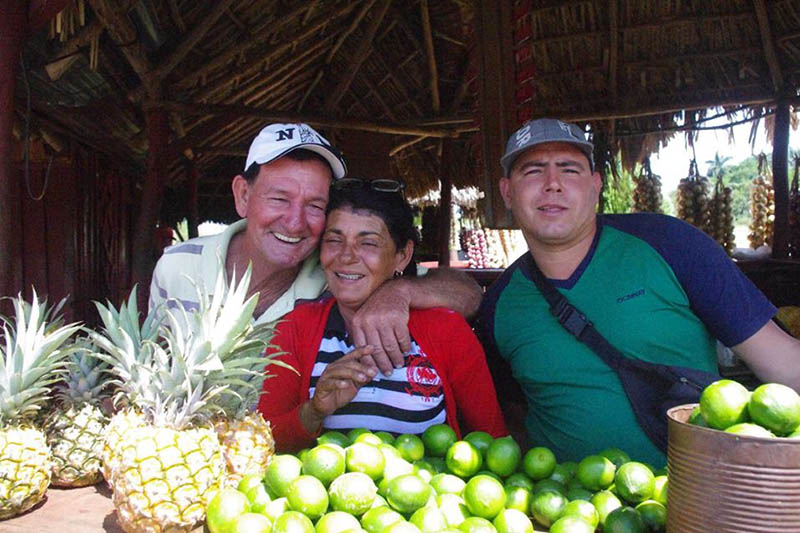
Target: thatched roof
{"type": "Point", "coordinates": [387, 80]}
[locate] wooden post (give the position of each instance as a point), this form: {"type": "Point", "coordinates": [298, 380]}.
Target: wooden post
{"type": "Point", "coordinates": [12, 34]}
{"type": "Point", "coordinates": [495, 89]}
{"type": "Point", "coordinates": [150, 206]}
{"type": "Point", "coordinates": [449, 165]}
{"type": "Point", "coordinates": [780, 181]}
{"type": "Point", "coordinates": [193, 220]}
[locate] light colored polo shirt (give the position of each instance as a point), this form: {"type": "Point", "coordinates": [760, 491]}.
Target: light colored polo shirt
{"type": "Point", "coordinates": [197, 260]}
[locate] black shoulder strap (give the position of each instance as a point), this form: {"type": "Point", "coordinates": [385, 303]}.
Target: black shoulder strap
{"type": "Point", "coordinates": [575, 322]}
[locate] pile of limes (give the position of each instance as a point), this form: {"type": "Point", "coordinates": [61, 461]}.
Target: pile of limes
{"type": "Point", "coordinates": [375, 482]}
{"type": "Point", "coordinates": [771, 410]}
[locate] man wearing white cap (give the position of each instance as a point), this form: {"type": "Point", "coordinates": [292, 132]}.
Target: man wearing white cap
{"type": "Point", "coordinates": [658, 289]}
{"type": "Point", "coordinates": [281, 197]}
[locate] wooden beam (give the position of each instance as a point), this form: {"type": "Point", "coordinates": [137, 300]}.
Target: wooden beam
{"type": "Point", "coordinates": [68, 53]}
{"type": "Point", "coordinates": [335, 48]}
{"type": "Point", "coordinates": [400, 147]}
{"type": "Point", "coordinates": [495, 91]}
{"type": "Point", "coordinates": [433, 71]}
{"type": "Point", "coordinates": [190, 41]}
{"type": "Point", "coordinates": [123, 33]}
{"type": "Point", "coordinates": [237, 111]}
{"type": "Point", "coordinates": [361, 54]}
{"type": "Point", "coordinates": [768, 45]}
{"type": "Point", "coordinates": [780, 180]}
{"type": "Point", "coordinates": [613, 54]}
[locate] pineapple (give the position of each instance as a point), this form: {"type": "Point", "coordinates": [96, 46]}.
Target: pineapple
{"type": "Point", "coordinates": [169, 465]}
{"type": "Point", "coordinates": [130, 345]}
{"type": "Point", "coordinates": [33, 356]}
{"type": "Point", "coordinates": [75, 430]}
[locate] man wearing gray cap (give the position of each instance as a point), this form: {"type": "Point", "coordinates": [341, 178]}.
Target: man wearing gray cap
{"type": "Point", "coordinates": [655, 287]}
{"type": "Point", "coordinates": [281, 197]}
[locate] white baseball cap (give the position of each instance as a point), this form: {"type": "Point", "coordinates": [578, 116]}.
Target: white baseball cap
{"type": "Point", "coordinates": [277, 140]}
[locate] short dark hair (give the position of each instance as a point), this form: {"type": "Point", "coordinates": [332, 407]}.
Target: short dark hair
{"type": "Point", "coordinates": [298, 154]}
{"type": "Point", "coordinates": [391, 207]}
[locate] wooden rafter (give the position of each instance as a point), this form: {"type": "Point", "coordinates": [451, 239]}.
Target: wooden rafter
{"type": "Point", "coordinates": [361, 54]}
{"type": "Point", "coordinates": [433, 71]}
{"type": "Point", "coordinates": [613, 44]}
{"type": "Point", "coordinates": [68, 53]}
{"type": "Point", "coordinates": [768, 45]}
{"type": "Point", "coordinates": [233, 111]}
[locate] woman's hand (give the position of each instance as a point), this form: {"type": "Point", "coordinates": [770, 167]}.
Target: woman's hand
{"type": "Point", "coordinates": [337, 386]}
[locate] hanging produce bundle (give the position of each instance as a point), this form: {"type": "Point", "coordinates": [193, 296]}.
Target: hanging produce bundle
{"type": "Point", "coordinates": [693, 199]}
{"type": "Point", "coordinates": [722, 216]}
{"type": "Point", "coordinates": [794, 212]}
{"type": "Point", "coordinates": [762, 207]}
{"type": "Point", "coordinates": [647, 194]}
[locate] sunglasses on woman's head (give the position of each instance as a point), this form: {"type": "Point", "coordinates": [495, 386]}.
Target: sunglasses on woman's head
{"type": "Point", "coordinates": [380, 185]}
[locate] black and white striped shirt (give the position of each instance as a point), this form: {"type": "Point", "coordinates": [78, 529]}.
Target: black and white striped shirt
{"type": "Point", "coordinates": [408, 401]}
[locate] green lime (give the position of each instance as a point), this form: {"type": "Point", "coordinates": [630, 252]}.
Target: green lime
{"type": "Point", "coordinates": [275, 508]}
{"type": "Point", "coordinates": [402, 527]}
{"type": "Point", "coordinates": [410, 447]}
{"type": "Point", "coordinates": [463, 459]}
{"type": "Point", "coordinates": [369, 438]}
{"type": "Point", "coordinates": [750, 430]}
{"type": "Point", "coordinates": [635, 482]}
{"type": "Point", "coordinates": [660, 489]}
{"type": "Point", "coordinates": [443, 483]}
{"type": "Point", "coordinates": [776, 407]}
{"type": "Point", "coordinates": [794, 434]}
{"type": "Point", "coordinates": [334, 437]}
{"type": "Point", "coordinates": [605, 502]}
{"type": "Point", "coordinates": [224, 508]}
{"type": "Point", "coordinates": [571, 524]}
{"type": "Point", "coordinates": [282, 470]}
{"type": "Point", "coordinates": [696, 418]}
{"type": "Point", "coordinates": [438, 464]}
{"type": "Point", "coordinates": [519, 479]}
{"type": "Point", "coordinates": [724, 403]}
{"type": "Point", "coordinates": [292, 522]}
{"type": "Point", "coordinates": [258, 498]}
{"type": "Point", "coordinates": [437, 439]}
{"type": "Point", "coordinates": [484, 496]}
{"type": "Point", "coordinates": [408, 493]}
{"type": "Point", "coordinates": [424, 469]}
{"type": "Point", "coordinates": [429, 519]}
{"type": "Point", "coordinates": [476, 524]}
{"type": "Point", "coordinates": [337, 522]}
{"type": "Point", "coordinates": [595, 472]}
{"type": "Point", "coordinates": [579, 493]}
{"type": "Point", "coordinates": [379, 501]}
{"type": "Point", "coordinates": [355, 432]}
{"type": "Point", "coordinates": [616, 456]}
{"type": "Point", "coordinates": [518, 498]}
{"type": "Point", "coordinates": [539, 462]}
{"type": "Point", "coordinates": [379, 518]}
{"type": "Point", "coordinates": [324, 462]}
{"type": "Point", "coordinates": [480, 439]}
{"type": "Point", "coordinates": [365, 458]}
{"type": "Point", "coordinates": [582, 509]}
{"type": "Point", "coordinates": [654, 515]}
{"type": "Point", "coordinates": [503, 456]}
{"type": "Point", "coordinates": [548, 484]}
{"type": "Point", "coordinates": [548, 506]}
{"type": "Point", "coordinates": [624, 520]}
{"type": "Point", "coordinates": [352, 493]}
{"type": "Point", "coordinates": [385, 436]}
{"type": "Point", "coordinates": [454, 509]}
{"type": "Point", "coordinates": [248, 482]}
{"type": "Point", "coordinates": [512, 521]}
{"type": "Point", "coordinates": [307, 494]}
{"type": "Point", "coordinates": [563, 472]}
{"type": "Point", "coordinates": [252, 523]}
{"type": "Point", "coordinates": [489, 473]}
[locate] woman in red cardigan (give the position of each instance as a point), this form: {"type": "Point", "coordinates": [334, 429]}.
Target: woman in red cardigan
{"type": "Point", "coordinates": [369, 238]}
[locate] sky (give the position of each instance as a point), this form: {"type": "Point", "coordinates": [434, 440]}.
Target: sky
{"type": "Point", "coordinates": [672, 162]}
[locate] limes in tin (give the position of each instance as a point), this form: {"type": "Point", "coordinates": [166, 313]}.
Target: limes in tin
{"type": "Point", "coordinates": [776, 407]}
{"type": "Point", "coordinates": [654, 515]}
{"type": "Point", "coordinates": [724, 403]}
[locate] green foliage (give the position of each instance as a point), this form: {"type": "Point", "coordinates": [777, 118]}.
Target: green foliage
{"type": "Point", "coordinates": [738, 178]}
{"type": "Point", "coordinates": [617, 193]}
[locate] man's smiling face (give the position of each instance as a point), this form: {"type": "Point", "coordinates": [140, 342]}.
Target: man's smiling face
{"type": "Point", "coordinates": [285, 210]}
{"type": "Point", "coordinates": [553, 194]}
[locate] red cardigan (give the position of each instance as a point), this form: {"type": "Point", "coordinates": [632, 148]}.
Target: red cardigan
{"type": "Point", "coordinates": [442, 334]}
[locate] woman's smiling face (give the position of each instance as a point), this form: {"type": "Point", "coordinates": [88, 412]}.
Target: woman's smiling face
{"type": "Point", "coordinates": [358, 254]}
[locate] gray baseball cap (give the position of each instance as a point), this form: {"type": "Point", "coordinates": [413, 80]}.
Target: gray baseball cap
{"type": "Point", "coordinates": [545, 130]}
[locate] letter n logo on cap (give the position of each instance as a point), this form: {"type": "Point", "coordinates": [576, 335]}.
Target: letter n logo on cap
{"type": "Point", "coordinates": [286, 134]}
